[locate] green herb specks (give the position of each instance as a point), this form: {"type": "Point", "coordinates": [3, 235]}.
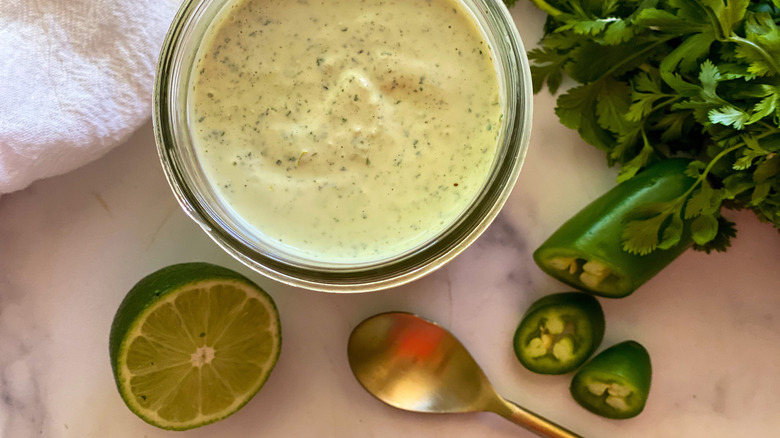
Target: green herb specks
{"type": "Point", "coordinates": [353, 114]}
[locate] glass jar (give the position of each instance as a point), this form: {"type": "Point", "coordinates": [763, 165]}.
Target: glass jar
{"type": "Point", "coordinates": [204, 205]}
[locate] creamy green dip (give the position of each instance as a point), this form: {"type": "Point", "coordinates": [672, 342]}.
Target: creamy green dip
{"type": "Point", "coordinates": [345, 130]}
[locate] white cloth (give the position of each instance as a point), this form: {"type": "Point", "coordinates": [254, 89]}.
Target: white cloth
{"type": "Point", "coordinates": [76, 79]}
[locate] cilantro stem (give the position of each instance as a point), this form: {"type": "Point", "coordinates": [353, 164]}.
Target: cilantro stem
{"type": "Point", "coordinates": [767, 57]}
{"type": "Point", "coordinates": [714, 160]}
{"type": "Point", "coordinates": [631, 58]}
{"type": "Point", "coordinates": [670, 100]}
{"type": "Point", "coordinates": [727, 36]}
{"type": "Point", "coordinates": [681, 199]}
{"type": "Point", "coordinates": [546, 7]}
{"type": "Point", "coordinates": [771, 129]}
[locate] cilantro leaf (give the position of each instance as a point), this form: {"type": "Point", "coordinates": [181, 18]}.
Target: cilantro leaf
{"type": "Point", "coordinates": [619, 31]}
{"type": "Point", "coordinates": [570, 104]}
{"type": "Point", "coordinates": [730, 116]}
{"type": "Point", "coordinates": [722, 241]}
{"type": "Point", "coordinates": [634, 165]}
{"type": "Point", "coordinates": [640, 237]}
{"type": "Point", "coordinates": [751, 152]}
{"type": "Point", "coordinates": [768, 106]}
{"type": "Point", "coordinates": [703, 201]}
{"type": "Point", "coordinates": [672, 125]}
{"type": "Point", "coordinates": [570, 112]}
{"type": "Point", "coordinates": [547, 67]}
{"type": "Point", "coordinates": [767, 170]}
{"type": "Point", "coordinates": [736, 184]}
{"type": "Point", "coordinates": [645, 92]}
{"type": "Point", "coordinates": [704, 228]}
{"type": "Point", "coordinates": [643, 230]}
{"type": "Point", "coordinates": [672, 234]}
{"type": "Point", "coordinates": [668, 22]}
{"type": "Point", "coordinates": [761, 46]}
{"type": "Point", "coordinates": [729, 14]}
{"type": "Point", "coordinates": [612, 105]}
{"type": "Point", "coordinates": [612, 60]}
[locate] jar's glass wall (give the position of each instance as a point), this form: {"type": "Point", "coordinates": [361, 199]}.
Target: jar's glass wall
{"type": "Point", "coordinates": [224, 226]}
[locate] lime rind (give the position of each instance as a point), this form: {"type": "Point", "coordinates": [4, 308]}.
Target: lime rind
{"type": "Point", "coordinates": [172, 393]}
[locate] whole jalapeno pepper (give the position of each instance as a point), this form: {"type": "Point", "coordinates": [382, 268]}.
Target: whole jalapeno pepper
{"type": "Point", "coordinates": [559, 332]}
{"type": "Point", "coordinates": [587, 253]}
{"type": "Point", "coordinates": [616, 382]}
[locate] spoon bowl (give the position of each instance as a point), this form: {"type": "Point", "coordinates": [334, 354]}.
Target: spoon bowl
{"type": "Point", "coordinates": [416, 365]}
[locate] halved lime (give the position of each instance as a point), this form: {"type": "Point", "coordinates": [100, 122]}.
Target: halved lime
{"type": "Point", "coordinates": [192, 343]}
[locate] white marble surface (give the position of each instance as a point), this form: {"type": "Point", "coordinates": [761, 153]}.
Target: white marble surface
{"type": "Point", "coordinates": [71, 246]}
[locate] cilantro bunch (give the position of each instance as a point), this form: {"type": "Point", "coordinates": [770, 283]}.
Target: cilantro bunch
{"type": "Point", "coordinates": [674, 78]}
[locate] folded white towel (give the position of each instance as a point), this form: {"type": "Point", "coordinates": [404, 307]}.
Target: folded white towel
{"type": "Point", "coordinates": [76, 79]}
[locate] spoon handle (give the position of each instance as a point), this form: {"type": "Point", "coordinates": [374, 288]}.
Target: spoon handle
{"type": "Point", "coordinates": [533, 422]}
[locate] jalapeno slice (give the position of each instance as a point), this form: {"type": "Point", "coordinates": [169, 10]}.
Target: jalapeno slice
{"type": "Point", "coordinates": [616, 382]}
{"type": "Point", "coordinates": [586, 252]}
{"type": "Point", "coordinates": [559, 332]}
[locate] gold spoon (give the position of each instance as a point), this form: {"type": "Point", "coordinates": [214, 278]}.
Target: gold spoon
{"type": "Point", "coordinates": [416, 365]}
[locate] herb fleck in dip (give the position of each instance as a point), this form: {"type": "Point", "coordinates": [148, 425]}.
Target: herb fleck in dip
{"type": "Point", "coordinates": [345, 130]}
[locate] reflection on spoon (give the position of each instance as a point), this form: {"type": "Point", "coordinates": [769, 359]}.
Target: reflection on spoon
{"type": "Point", "coordinates": [416, 365]}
